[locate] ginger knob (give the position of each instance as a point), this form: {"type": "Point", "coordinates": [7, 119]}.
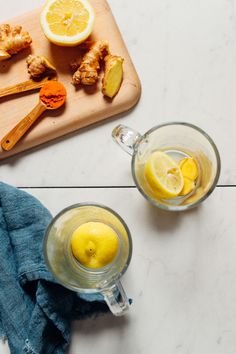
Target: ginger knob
{"type": "Point", "coordinates": [113, 75]}
{"type": "Point", "coordinates": [87, 73]}
{"type": "Point", "coordinates": [38, 65]}
{"type": "Point", "coordinates": [12, 40]}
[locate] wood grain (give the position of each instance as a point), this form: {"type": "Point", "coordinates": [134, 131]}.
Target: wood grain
{"type": "Point", "coordinates": [24, 86]}
{"type": "Point", "coordinates": [84, 106]}
{"type": "Point", "coordinates": [11, 138]}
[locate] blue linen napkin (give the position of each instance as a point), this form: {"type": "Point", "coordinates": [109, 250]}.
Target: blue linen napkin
{"type": "Point", "coordinates": [35, 311]}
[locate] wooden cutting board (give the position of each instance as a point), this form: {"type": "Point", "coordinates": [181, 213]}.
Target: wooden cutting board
{"type": "Point", "coordinates": [84, 105]}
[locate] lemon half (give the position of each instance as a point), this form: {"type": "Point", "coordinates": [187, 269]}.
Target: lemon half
{"type": "Point", "coordinates": [67, 22]}
{"type": "Point", "coordinates": [163, 175]}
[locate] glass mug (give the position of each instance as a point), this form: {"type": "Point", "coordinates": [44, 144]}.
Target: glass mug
{"type": "Point", "coordinates": [73, 275]}
{"type": "Point", "coordinates": [179, 140]}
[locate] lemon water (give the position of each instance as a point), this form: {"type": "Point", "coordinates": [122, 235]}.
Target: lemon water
{"type": "Point", "coordinates": [59, 255]}
{"type": "Point", "coordinates": [177, 155]}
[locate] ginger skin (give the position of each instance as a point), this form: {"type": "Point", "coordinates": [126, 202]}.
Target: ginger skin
{"type": "Point", "coordinates": [38, 66]}
{"type": "Point", "coordinates": [87, 73]}
{"type": "Point", "coordinates": [12, 40]}
{"type": "Point", "coordinates": [113, 75]}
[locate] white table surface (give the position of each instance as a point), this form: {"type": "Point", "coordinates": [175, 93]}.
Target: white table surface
{"type": "Point", "coordinates": [182, 277]}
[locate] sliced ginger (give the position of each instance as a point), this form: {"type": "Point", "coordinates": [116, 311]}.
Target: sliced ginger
{"type": "Point", "coordinates": [190, 173]}
{"type": "Point", "coordinates": [188, 187]}
{"type": "Point", "coordinates": [38, 65]}
{"type": "Point", "coordinates": [12, 40]}
{"type": "Point", "coordinates": [113, 75]}
{"type": "Point", "coordinates": [189, 168]}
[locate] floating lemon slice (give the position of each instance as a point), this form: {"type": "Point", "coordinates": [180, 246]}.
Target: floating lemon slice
{"type": "Point", "coordinates": [164, 175]}
{"type": "Point", "coordinates": [94, 244]}
{"type": "Point", "coordinates": [67, 22]}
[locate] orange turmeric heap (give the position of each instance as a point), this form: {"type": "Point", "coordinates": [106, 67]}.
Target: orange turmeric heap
{"type": "Point", "coordinates": [53, 94]}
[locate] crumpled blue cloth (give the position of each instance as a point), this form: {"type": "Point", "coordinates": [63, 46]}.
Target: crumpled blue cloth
{"type": "Point", "coordinates": [35, 311]}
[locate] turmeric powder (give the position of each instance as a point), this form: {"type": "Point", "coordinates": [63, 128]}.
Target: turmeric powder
{"type": "Point", "coordinates": [53, 94]}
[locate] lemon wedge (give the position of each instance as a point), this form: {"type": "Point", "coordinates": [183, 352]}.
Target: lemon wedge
{"type": "Point", "coordinates": [94, 244]}
{"type": "Point", "coordinates": [163, 175]}
{"type": "Point", "coordinates": [67, 22]}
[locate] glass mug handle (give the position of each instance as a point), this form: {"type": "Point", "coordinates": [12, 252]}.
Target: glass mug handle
{"type": "Point", "coordinates": [126, 138]}
{"type": "Point", "coordinates": [116, 299]}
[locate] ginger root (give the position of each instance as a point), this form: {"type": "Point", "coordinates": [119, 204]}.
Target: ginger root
{"type": "Point", "coordinates": [87, 73]}
{"type": "Point", "coordinates": [12, 40]}
{"type": "Point", "coordinates": [75, 64]}
{"type": "Point", "coordinates": [113, 75]}
{"type": "Point", "coordinates": [38, 65]}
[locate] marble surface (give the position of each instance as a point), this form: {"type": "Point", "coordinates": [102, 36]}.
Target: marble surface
{"type": "Point", "coordinates": [182, 277]}
{"type": "Point", "coordinates": [184, 52]}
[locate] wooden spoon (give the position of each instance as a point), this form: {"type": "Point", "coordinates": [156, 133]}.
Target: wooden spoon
{"type": "Point", "coordinates": [11, 138]}
{"type": "Point", "coordinates": [25, 86]}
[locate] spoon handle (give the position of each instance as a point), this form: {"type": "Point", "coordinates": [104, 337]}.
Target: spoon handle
{"type": "Point", "coordinates": [10, 140]}
{"type": "Point", "coordinates": [24, 86]}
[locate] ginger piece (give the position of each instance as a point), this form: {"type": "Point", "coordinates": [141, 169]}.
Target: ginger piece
{"type": "Point", "coordinates": [75, 64]}
{"type": "Point", "coordinates": [87, 73]}
{"type": "Point", "coordinates": [38, 66]}
{"type": "Point", "coordinates": [12, 40]}
{"type": "Point", "coordinates": [113, 75]}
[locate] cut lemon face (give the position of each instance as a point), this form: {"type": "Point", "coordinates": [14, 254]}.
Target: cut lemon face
{"type": "Point", "coordinates": [67, 22]}
{"type": "Point", "coordinates": [163, 175]}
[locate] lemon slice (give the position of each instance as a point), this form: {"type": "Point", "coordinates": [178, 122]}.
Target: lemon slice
{"type": "Point", "coordinates": [67, 22]}
{"type": "Point", "coordinates": [94, 244]}
{"type": "Point", "coordinates": [164, 175]}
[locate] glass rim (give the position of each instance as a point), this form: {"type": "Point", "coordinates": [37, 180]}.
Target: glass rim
{"type": "Point", "coordinates": [200, 200]}
{"type": "Point", "coordinates": [75, 206]}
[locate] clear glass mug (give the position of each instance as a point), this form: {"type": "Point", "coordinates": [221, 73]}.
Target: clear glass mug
{"type": "Point", "coordinates": [179, 140]}
{"type": "Point", "coordinates": [74, 276]}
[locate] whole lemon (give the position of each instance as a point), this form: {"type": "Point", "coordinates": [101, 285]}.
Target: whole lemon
{"type": "Point", "coordinates": [94, 244]}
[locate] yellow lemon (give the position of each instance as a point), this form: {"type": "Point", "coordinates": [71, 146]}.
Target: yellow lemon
{"type": "Point", "coordinates": [189, 168]}
{"type": "Point", "coordinates": [94, 244]}
{"type": "Point", "coordinates": [67, 22]}
{"type": "Point", "coordinates": [163, 175]}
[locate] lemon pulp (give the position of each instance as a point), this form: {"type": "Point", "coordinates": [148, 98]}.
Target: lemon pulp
{"type": "Point", "coordinates": [67, 22]}
{"type": "Point", "coordinates": [94, 244]}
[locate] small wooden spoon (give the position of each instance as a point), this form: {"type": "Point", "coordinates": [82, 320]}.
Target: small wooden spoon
{"type": "Point", "coordinates": [25, 86]}
{"type": "Point", "coordinates": [11, 138]}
